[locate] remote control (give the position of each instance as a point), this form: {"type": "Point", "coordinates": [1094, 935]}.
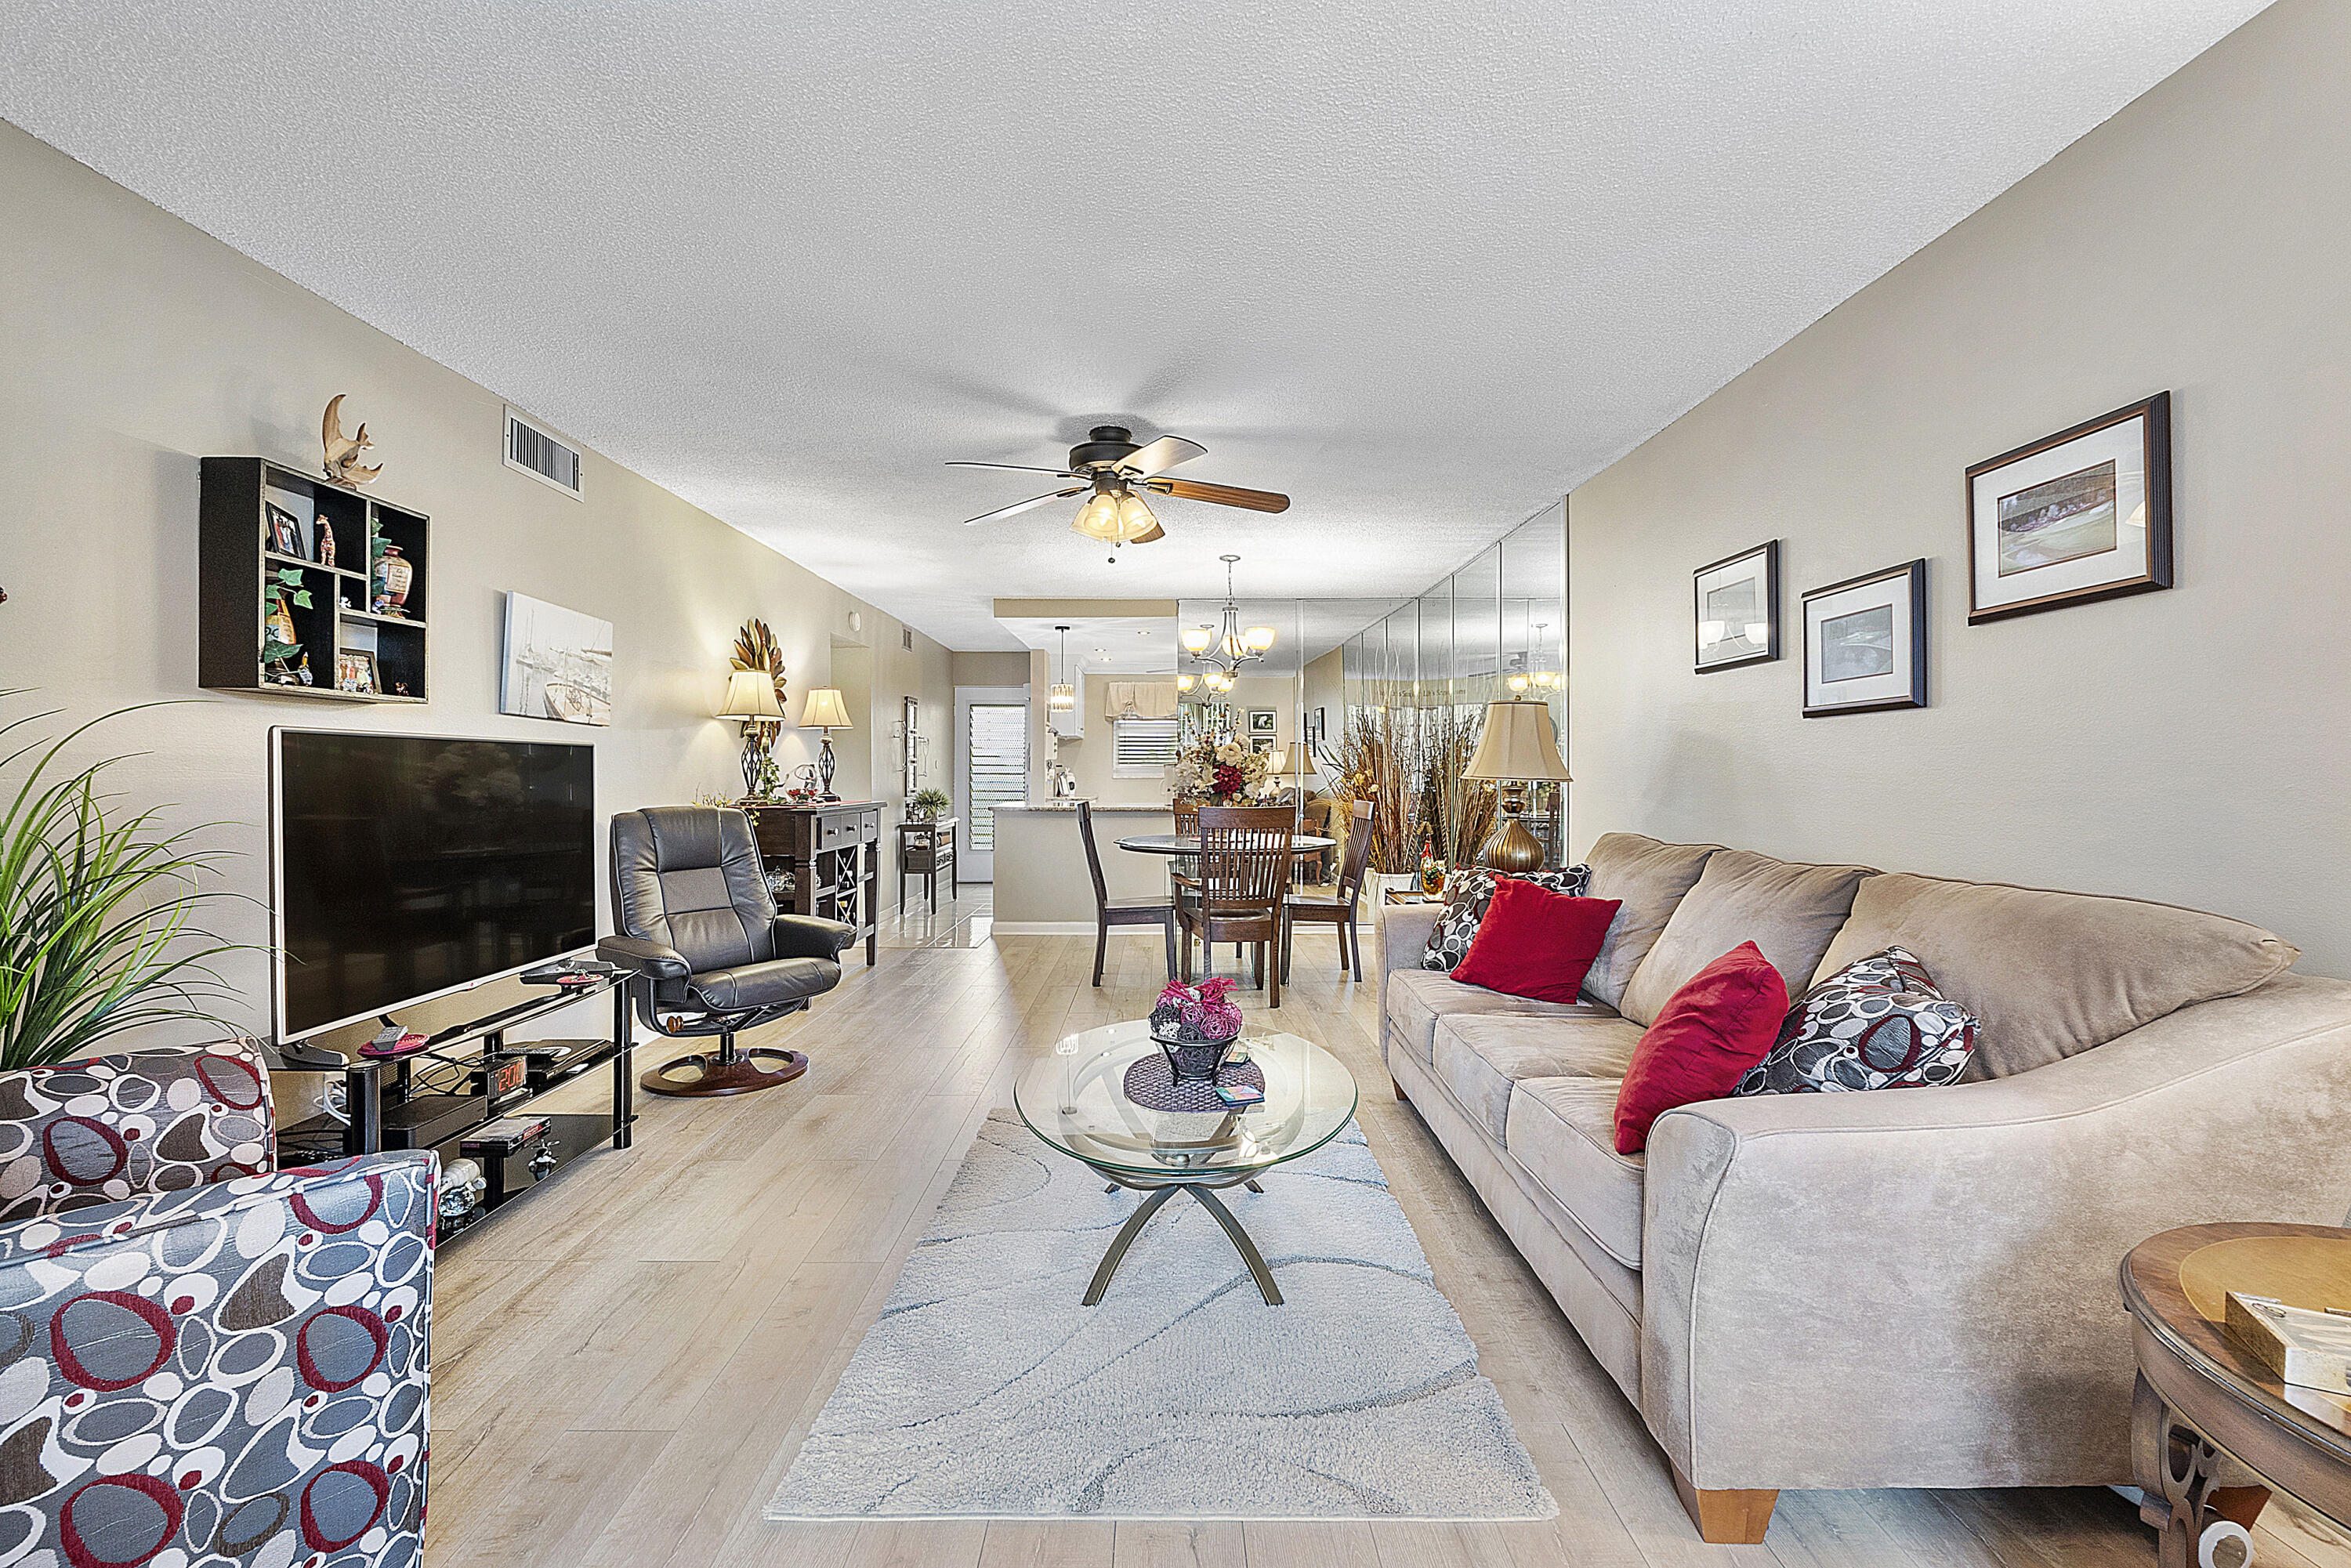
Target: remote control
{"type": "Point", "coordinates": [394, 1042]}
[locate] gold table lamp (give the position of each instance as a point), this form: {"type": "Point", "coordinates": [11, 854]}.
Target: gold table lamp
{"type": "Point", "coordinates": [1519, 747]}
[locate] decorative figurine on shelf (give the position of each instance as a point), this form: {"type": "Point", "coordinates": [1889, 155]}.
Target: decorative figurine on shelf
{"type": "Point", "coordinates": [326, 536]}
{"type": "Point", "coordinates": [280, 646]}
{"type": "Point", "coordinates": [393, 573]}
{"type": "Point", "coordinates": [343, 452]}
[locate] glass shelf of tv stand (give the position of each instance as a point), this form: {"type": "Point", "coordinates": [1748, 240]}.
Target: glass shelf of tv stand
{"type": "Point", "coordinates": [406, 1103]}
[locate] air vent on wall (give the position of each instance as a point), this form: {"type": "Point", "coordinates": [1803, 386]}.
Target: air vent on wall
{"type": "Point", "coordinates": [907, 639]}
{"type": "Point", "coordinates": [535, 452]}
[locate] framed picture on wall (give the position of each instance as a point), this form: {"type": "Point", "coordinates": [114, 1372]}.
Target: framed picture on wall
{"type": "Point", "coordinates": [1261, 720]}
{"type": "Point", "coordinates": [2074, 517]}
{"type": "Point", "coordinates": [1735, 603]}
{"type": "Point", "coordinates": [1866, 642]}
{"type": "Point", "coordinates": [1262, 744]}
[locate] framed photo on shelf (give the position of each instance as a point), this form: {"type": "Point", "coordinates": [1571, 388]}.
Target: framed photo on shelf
{"type": "Point", "coordinates": [1262, 720]}
{"type": "Point", "coordinates": [1735, 605]}
{"type": "Point", "coordinates": [1866, 642]}
{"type": "Point", "coordinates": [1262, 743]}
{"type": "Point", "coordinates": [284, 532]}
{"type": "Point", "coordinates": [2074, 517]}
{"type": "Point", "coordinates": [355, 672]}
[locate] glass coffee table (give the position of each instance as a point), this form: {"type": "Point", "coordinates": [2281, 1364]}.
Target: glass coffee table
{"type": "Point", "coordinates": [1076, 1101]}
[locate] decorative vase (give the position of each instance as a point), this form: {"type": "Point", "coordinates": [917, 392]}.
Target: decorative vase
{"type": "Point", "coordinates": [393, 576]}
{"type": "Point", "coordinates": [1196, 1062]}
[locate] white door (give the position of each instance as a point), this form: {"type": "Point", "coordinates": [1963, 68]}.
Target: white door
{"type": "Point", "coordinates": [991, 767]}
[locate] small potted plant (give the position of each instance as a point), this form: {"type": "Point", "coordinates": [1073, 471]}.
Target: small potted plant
{"type": "Point", "coordinates": [926, 805]}
{"type": "Point", "coordinates": [1196, 1026]}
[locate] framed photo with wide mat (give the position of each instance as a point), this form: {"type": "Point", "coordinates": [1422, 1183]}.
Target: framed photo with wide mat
{"type": "Point", "coordinates": [1866, 642]}
{"type": "Point", "coordinates": [2074, 517]}
{"type": "Point", "coordinates": [1736, 607]}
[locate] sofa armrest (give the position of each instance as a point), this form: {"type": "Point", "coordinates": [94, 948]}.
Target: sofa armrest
{"type": "Point", "coordinates": [1917, 1287]}
{"type": "Point", "coordinates": [323, 1273]}
{"type": "Point", "coordinates": [1403, 933]}
{"type": "Point", "coordinates": [811, 936]}
{"type": "Point", "coordinates": [94, 1131]}
{"type": "Point", "coordinates": [652, 959]}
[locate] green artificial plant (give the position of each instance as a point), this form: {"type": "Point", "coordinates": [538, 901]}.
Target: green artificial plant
{"type": "Point", "coordinates": [928, 803]}
{"type": "Point", "coordinates": [98, 910]}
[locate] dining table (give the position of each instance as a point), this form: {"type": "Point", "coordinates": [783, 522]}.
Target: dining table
{"type": "Point", "coordinates": [1189, 844]}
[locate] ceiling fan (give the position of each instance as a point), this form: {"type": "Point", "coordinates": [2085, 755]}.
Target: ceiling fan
{"type": "Point", "coordinates": [1118, 472]}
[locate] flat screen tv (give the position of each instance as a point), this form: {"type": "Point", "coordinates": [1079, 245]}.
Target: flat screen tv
{"type": "Point", "coordinates": [408, 866]}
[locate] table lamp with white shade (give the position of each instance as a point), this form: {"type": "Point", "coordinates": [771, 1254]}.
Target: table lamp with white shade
{"type": "Point", "coordinates": [823, 709]}
{"type": "Point", "coordinates": [1519, 747]}
{"type": "Point", "coordinates": [751, 698]}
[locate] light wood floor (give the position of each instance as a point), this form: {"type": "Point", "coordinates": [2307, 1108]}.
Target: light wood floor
{"type": "Point", "coordinates": [624, 1365]}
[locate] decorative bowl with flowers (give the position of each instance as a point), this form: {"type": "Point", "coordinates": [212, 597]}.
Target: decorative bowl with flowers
{"type": "Point", "coordinates": [1197, 1025]}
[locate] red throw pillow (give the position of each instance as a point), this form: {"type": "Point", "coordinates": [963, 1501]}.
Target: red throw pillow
{"type": "Point", "coordinates": [1535, 943]}
{"type": "Point", "coordinates": [1712, 1032]}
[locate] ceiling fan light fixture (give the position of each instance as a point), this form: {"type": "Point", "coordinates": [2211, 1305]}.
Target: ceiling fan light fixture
{"type": "Point", "coordinates": [1135, 519]}
{"type": "Point", "coordinates": [1098, 518]}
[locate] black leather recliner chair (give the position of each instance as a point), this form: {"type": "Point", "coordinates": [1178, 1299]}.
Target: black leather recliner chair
{"type": "Point", "coordinates": [711, 955]}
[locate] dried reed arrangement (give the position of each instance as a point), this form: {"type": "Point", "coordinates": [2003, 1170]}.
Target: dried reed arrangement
{"type": "Point", "coordinates": [1374, 764]}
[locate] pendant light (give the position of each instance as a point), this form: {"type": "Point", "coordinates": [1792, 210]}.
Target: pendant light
{"type": "Point", "coordinates": [1233, 646]}
{"type": "Point", "coordinates": [1064, 695]}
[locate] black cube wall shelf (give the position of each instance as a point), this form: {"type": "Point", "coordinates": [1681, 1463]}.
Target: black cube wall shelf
{"type": "Point", "coordinates": [262, 525]}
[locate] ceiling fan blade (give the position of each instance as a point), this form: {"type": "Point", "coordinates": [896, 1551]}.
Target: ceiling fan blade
{"type": "Point", "coordinates": [1018, 507]}
{"type": "Point", "coordinates": [1220, 494]}
{"type": "Point", "coordinates": [1161, 456]}
{"type": "Point", "coordinates": [1016, 468]}
{"type": "Point", "coordinates": [1153, 536]}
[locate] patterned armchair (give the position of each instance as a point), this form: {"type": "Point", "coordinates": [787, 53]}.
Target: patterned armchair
{"type": "Point", "coordinates": [204, 1358]}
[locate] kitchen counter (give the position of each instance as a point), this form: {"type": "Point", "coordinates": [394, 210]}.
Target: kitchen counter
{"type": "Point", "coordinates": [1043, 886]}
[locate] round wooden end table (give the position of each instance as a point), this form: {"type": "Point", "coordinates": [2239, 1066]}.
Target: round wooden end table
{"type": "Point", "coordinates": [2202, 1403]}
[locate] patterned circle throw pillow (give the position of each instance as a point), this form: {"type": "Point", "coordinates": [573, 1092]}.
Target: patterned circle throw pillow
{"type": "Point", "coordinates": [1466, 894]}
{"type": "Point", "coordinates": [1878, 1023]}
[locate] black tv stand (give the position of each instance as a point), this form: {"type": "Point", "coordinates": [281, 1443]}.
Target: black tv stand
{"type": "Point", "coordinates": [434, 1098]}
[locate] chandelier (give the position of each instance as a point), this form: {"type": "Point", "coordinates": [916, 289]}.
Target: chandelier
{"type": "Point", "coordinates": [1227, 649]}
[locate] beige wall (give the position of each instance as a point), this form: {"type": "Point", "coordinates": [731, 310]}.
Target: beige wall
{"type": "Point", "coordinates": [131, 344]}
{"type": "Point", "coordinates": [2189, 745]}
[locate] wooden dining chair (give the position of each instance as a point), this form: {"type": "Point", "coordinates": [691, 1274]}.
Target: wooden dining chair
{"type": "Point", "coordinates": [1110, 912]}
{"type": "Point", "coordinates": [1339, 909]}
{"type": "Point", "coordinates": [1182, 868]}
{"type": "Point", "coordinates": [1244, 854]}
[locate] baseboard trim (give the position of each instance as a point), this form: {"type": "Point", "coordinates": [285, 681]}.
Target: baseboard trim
{"type": "Point", "coordinates": [1068, 928]}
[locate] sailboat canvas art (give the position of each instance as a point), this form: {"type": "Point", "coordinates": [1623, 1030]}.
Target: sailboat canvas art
{"type": "Point", "coordinates": [558, 663]}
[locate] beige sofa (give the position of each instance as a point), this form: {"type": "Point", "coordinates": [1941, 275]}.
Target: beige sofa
{"type": "Point", "coordinates": [1903, 1288]}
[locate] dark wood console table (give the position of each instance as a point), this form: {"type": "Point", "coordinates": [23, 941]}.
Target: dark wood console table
{"type": "Point", "coordinates": [834, 854]}
{"type": "Point", "coordinates": [928, 850]}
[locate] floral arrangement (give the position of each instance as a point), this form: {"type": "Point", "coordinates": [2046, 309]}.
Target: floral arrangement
{"type": "Point", "coordinates": [1201, 1013]}
{"type": "Point", "coordinates": [1219, 772]}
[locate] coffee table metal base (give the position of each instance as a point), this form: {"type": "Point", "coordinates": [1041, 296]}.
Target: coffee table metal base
{"type": "Point", "coordinates": [1160, 1193]}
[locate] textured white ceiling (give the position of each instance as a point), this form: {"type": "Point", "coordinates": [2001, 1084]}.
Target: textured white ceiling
{"type": "Point", "coordinates": [1424, 268]}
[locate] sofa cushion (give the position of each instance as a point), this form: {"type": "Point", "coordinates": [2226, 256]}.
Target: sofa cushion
{"type": "Point", "coordinates": [1469, 894]}
{"type": "Point", "coordinates": [1706, 1038]}
{"type": "Point", "coordinates": [1535, 943]}
{"type": "Point", "coordinates": [1478, 1059]}
{"type": "Point", "coordinates": [1417, 999]}
{"type": "Point", "coordinates": [1562, 1131]}
{"type": "Point", "coordinates": [1878, 1023]}
{"type": "Point", "coordinates": [1790, 911]}
{"type": "Point", "coordinates": [2054, 974]}
{"type": "Point", "coordinates": [1648, 879]}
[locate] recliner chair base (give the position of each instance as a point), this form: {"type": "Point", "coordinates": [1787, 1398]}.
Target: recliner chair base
{"type": "Point", "coordinates": [706, 1075]}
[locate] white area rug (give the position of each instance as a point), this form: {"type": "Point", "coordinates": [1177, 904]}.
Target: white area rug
{"type": "Point", "coordinates": [985, 1391]}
